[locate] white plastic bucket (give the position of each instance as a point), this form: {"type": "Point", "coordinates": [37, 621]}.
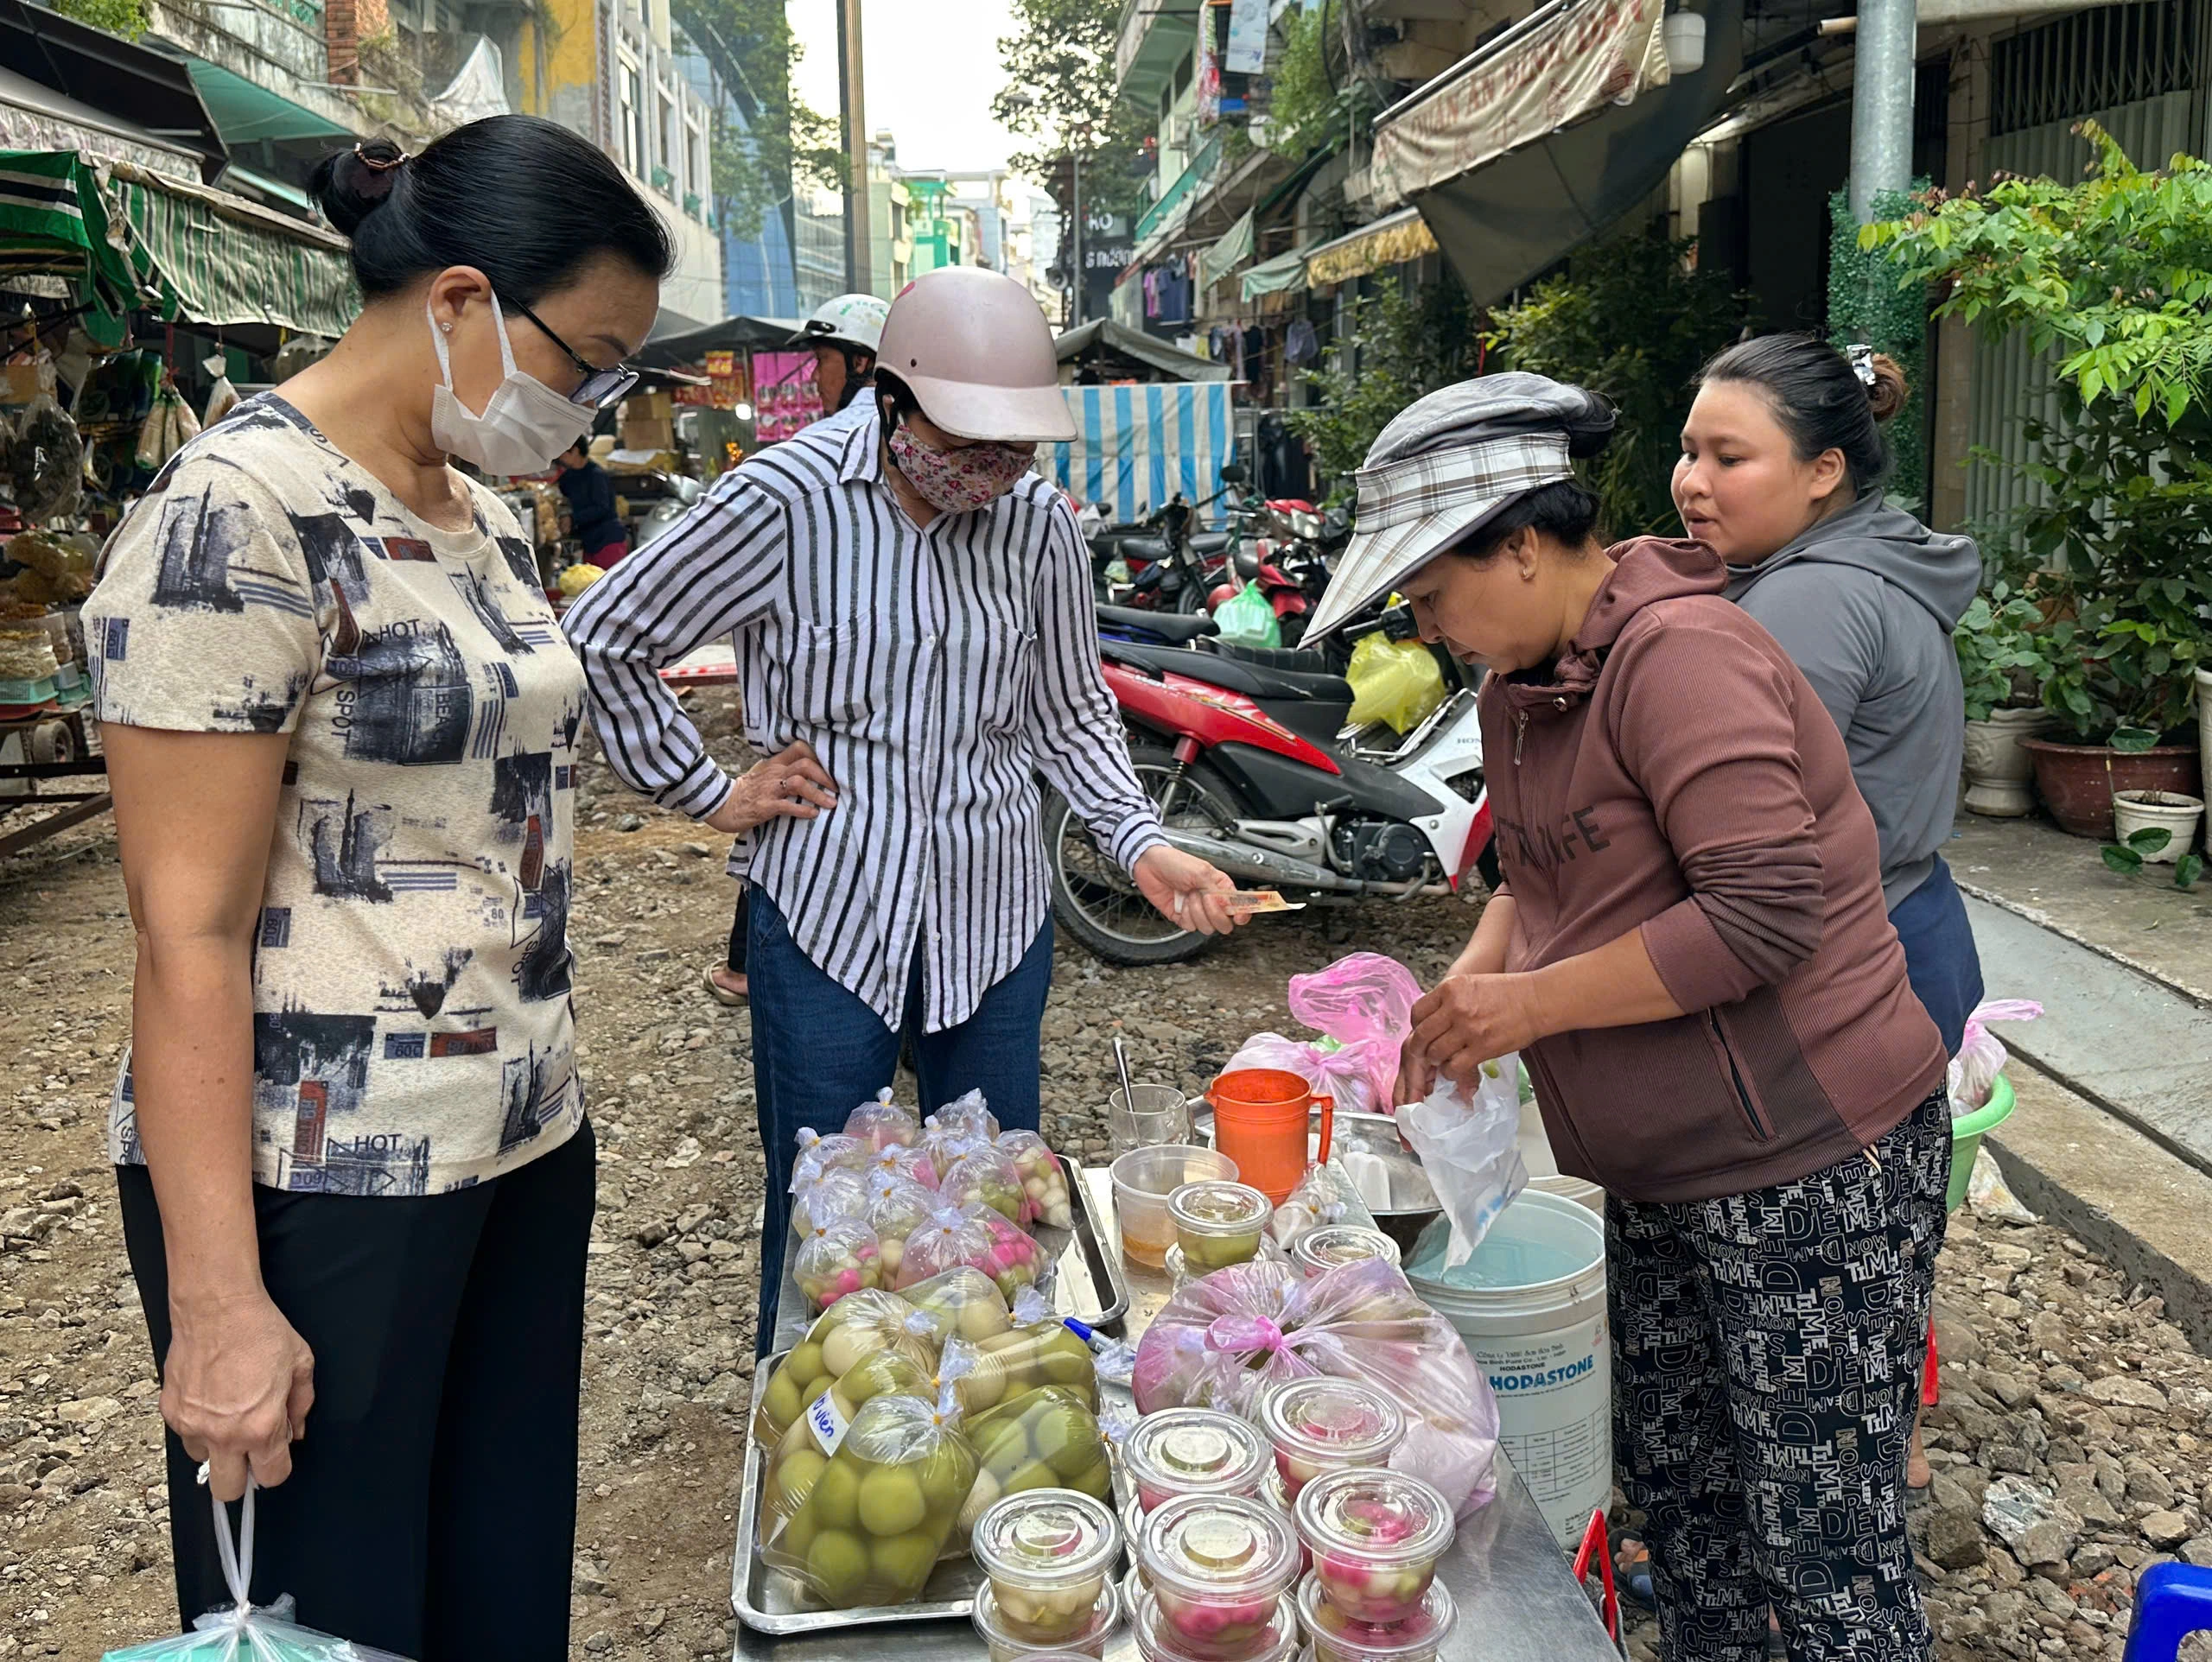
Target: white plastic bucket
{"type": "Point", "coordinates": [1531, 1305]}
{"type": "Point", "coordinates": [1543, 1166]}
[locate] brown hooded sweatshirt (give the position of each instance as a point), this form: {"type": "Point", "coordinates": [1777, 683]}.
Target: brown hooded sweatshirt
{"type": "Point", "coordinates": [1676, 772]}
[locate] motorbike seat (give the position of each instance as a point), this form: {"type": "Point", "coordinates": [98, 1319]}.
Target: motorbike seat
{"type": "Point", "coordinates": [1229, 675]}
{"type": "Point", "coordinates": [1143, 548]}
{"type": "Point", "coordinates": [1178, 626]}
{"type": "Point", "coordinates": [1209, 542]}
{"type": "Point", "coordinates": [1297, 660]}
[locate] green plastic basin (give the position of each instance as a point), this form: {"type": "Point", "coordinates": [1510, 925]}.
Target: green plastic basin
{"type": "Point", "coordinates": [1966, 1134]}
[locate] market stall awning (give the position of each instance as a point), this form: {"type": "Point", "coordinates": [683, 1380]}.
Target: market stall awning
{"type": "Point", "coordinates": [1285, 274]}
{"type": "Point", "coordinates": [738, 334]}
{"type": "Point", "coordinates": [34, 117]}
{"type": "Point", "coordinates": [1548, 135]}
{"type": "Point", "coordinates": [247, 114]}
{"type": "Point", "coordinates": [1234, 248]}
{"type": "Point", "coordinates": [1391, 240]}
{"type": "Point", "coordinates": [53, 220]}
{"type": "Point", "coordinates": [222, 260]}
{"type": "Point", "coordinates": [123, 80]}
{"type": "Point", "coordinates": [1102, 338]}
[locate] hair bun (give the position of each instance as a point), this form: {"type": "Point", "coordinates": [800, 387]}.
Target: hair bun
{"type": "Point", "coordinates": [350, 185]}
{"type": "Point", "coordinates": [1887, 392]}
{"type": "Point", "coordinates": [1590, 430]}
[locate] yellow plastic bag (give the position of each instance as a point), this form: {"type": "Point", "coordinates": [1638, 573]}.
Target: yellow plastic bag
{"type": "Point", "coordinates": [1396, 682]}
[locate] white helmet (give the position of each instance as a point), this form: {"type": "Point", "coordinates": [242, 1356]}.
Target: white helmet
{"type": "Point", "coordinates": [853, 321]}
{"type": "Point", "coordinates": [973, 346]}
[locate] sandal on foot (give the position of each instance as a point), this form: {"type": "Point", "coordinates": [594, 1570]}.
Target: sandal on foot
{"type": "Point", "coordinates": [721, 995]}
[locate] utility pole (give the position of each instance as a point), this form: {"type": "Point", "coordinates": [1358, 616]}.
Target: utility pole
{"type": "Point", "coordinates": [1075, 306]}
{"type": "Point", "coordinates": [1881, 103]}
{"type": "Point", "coordinates": [853, 107]}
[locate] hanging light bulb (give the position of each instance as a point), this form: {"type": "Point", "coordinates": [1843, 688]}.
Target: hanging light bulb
{"type": "Point", "coordinates": [1683, 34]}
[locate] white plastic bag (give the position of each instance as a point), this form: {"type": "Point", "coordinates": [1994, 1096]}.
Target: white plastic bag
{"type": "Point", "coordinates": [1981, 1056]}
{"type": "Point", "coordinates": [244, 1634]}
{"type": "Point", "coordinates": [1471, 1150]}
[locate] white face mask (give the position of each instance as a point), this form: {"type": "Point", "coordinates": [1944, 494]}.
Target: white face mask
{"type": "Point", "coordinates": [525, 424]}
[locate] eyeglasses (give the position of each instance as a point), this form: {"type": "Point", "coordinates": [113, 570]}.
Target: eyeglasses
{"type": "Point", "coordinates": [599, 387]}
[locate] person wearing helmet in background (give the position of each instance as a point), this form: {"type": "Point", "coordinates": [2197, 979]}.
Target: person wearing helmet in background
{"type": "Point", "coordinates": [1691, 953]}
{"type": "Point", "coordinates": [909, 606]}
{"type": "Point", "coordinates": [844, 334]}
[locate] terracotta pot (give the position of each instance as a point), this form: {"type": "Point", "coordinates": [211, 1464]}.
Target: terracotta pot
{"type": "Point", "coordinates": [2077, 781]}
{"type": "Point", "coordinates": [1998, 770]}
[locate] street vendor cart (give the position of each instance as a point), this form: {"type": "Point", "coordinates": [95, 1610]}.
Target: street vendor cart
{"type": "Point", "coordinates": [1515, 1591]}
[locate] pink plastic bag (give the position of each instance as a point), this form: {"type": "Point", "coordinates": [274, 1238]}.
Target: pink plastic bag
{"type": "Point", "coordinates": [1981, 1058]}
{"type": "Point", "coordinates": [1225, 1341]}
{"type": "Point", "coordinates": [1365, 1003]}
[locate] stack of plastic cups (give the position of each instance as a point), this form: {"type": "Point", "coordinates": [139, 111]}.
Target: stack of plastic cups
{"type": "Point", "coordinates": [1331, 1244]}
{"type": "Point", "coordinates": [1183, 1451]}
{"type": "Point", "coordinates": [1323, 1426]}
{"type": "Point", "coordinates": [1376, 1538]}
{"type": "Point", "coordinates": [1048, 1556]}
{"type": "Point", "coordinates": [1218, 1570]}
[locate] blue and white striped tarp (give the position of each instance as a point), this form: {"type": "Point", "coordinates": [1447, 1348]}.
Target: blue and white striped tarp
{"type": "Point", "coordinates": [1141, 445]}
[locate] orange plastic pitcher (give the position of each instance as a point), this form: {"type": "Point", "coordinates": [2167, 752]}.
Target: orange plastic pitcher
{"type": "Point", "coordinates": [1259, 1117]}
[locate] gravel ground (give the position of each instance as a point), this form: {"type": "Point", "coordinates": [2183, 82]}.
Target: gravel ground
{"type": "Point", "coordinates": [2071, 1443]}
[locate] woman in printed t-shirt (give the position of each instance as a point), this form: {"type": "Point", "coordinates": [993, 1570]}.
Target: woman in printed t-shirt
{"type": "Point", "coordinates": [355, 1173]}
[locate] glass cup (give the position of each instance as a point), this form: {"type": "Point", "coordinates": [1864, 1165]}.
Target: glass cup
{"type": "Point", "coordinates": [1161, 1114]}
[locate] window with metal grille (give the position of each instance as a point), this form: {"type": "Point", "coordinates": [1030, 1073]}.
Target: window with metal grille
{"type": "Point", "coordinates": [2097, 60]}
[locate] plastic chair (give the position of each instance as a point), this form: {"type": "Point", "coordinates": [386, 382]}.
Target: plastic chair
{"type": "Point", "coordinates": [2173, 1601]}
{"type": "Point", "coordinates": [1596, 1549]}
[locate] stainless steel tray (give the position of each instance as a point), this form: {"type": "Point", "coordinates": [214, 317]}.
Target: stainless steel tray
{"type": "Point", "coordinates": [1086, 1281]}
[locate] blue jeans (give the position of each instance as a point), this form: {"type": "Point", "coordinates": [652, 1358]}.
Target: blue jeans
{"type": "Point", "coordinates": [819, 1051]}
{"type": "Point", "coordinates": [1940, 959]}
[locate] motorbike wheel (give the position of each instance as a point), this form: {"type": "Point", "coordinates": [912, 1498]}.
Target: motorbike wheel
{"type": "Point", "coordinates": [1191, 599]}
{"type": "Point", "coordinates": [1095, 900]}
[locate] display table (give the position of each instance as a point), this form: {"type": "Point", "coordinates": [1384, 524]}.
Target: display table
{"type": "Point", "coordinates": [1515, 1595]}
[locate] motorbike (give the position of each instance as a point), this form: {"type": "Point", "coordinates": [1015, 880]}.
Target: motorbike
{"type": "Point", "coordinates": [1248, 756]}
{"type": "Point", "coordinates": [680, 493]}
{"type": "Point", "coordinates": [1157, 562]}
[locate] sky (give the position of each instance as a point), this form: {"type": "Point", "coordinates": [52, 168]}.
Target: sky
{"type": "Point", "coordinates": [932, 66]}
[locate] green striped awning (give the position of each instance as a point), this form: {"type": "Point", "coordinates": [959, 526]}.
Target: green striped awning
{"type": "Point", "coordinates": [53, 218]}
{"type": "Point", "coordinates": [222, 260]}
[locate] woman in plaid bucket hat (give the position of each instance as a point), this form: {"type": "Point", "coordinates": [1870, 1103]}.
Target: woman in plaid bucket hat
{"type": "Point", "coordinates": [1691, 953]}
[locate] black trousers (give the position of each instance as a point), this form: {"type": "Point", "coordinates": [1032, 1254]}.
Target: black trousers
{"type": "Point", "coordinates": [737, 932]}
{"type": "Point", "coordinates": [432, 1506]}
{"type": "Point", "coordinates": [1767, 1350]}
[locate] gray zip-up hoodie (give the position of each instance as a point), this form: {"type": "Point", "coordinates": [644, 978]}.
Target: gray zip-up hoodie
{"type": "Point", "coordinates": [1865, 603]}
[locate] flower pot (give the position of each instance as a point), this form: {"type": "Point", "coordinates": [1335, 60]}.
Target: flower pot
{"type": "Point", "coordinates": [2168, 810]}
{"type": "Point", "coordinates": [2077, 781]}
{"type": "Point", "coordinates": [1998, 768]}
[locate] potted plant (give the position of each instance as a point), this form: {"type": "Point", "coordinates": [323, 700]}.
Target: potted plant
{"type": "Point", "coordinates": [2112, 278]}
{"type": "Point", "coordinates": [2002, 663]}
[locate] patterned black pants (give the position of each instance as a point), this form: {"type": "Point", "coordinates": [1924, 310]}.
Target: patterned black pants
{"type": "Point", "coordinates": [1767, 1351]}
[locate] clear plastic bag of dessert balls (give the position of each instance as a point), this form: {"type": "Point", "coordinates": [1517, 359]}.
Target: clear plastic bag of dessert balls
{"type": "Point", "coordinates": [1039, 1349]}
{"type": "Point", "coordinates": [838, 1257]}
{"type": "Point", "coordinates": [1045, 1438]}
{"type": "Point", "coordinates": [949, 1238]}
{"type": "Point", "coordinates": [981, 1175]}
{"type": "Point", "coordinates": [876, 1519]}
{"type": "Point", "coordinates": [882, 1123]}
{"type": "Point", "coordinates": [1223, 1341]}
{"type": "Point", "coordinates": [961, 1302]}
{"type": "Point", "coordinates": [896, 1207]}
{"type": "Point", "coordinates": [849, 1331]}
{"type": "Point", "coordinates": [970, 1116]}
{"type": "Point", "coordinates": [839, 1193]}
{"type": "Point", "coordinates": [913, 1164]}
{"type": "Point", "coordinates": [817, 1154]}
{"type": "Point", "coordinates": [805, 1447]}
{"type": "Point", "coordinates": [1043, 1183]}
{"type": "Point", "coordinates": [1016, 1261]}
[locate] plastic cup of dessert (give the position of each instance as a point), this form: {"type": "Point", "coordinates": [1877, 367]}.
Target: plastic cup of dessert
{"type": "Point", "coordinates": [1332, 1244]}
{"type": "Point", "coordinates": [1217, 1566]}
{"type": "Point", "coordinates": [1184, 1452]}
{"type": "Point", "coordinates": [1049, 1554]}
{"type": "Point", "coordinates": [1322, 1425]}
{"type": "Point", "coordinates": [1337, 1637]}
{"type": "Point", "coordinates": [1218, 1224]}
{"type": "Point", "coordinates": [1278, 1639]}
{"type": "Point", "coordinates": [1375, 1537]}
{"type": "Point", "coordinates": [1006, 1645]}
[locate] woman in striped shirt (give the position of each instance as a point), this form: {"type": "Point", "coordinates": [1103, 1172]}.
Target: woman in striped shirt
{"type": "Point", "coordinates": [911, 608]}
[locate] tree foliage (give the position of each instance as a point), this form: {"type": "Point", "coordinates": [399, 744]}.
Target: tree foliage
{"type": "Point", "coordinates": [1059, 100]}
{"type": "Point", "coordinates": [128, 18]}
{"type": "Point", "coordinates": [2112, 278]}
{"type": "Point", "coordinates": [1635, 319]}
{"type": "Point", "coordinates": [782, 140]}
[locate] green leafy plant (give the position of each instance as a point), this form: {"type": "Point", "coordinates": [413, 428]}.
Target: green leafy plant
{"type": "Point", "coordinates": [128, 18]}
{"type": "Point", "coordinates": [1400, 344]}
{"type": "Point", "coordinates": [2112, 278]}
{"type": "Point", "coordinates": [2000, 645]}
{"type": "Point", "coordinates": [1635, 319]}
{"type": "Point", "coordinates": [1059, 99]}
{"type": "Point", "coordinates": [1865, 303]}
{"type": "Point", "coordinates": [781, 139]}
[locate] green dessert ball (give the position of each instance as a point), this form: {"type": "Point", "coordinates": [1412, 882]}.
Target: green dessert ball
{"type": "Point", "coordinates": [837, 1496]}
{"type": "Point", "coordinates": [805, 1362]}
{"type": "Point", "coordinates": [1034, 1476]}
{"type": "Point", "coordinates": [797, 1475]}
{"type": "Point", "coordinates": [1096, 1480]}
{"type": "Point", "coordinates": [1003, 1446]}
{"type": "Point", "coordinates": [944, 1479]}
{"type": "Point", "coordinates": [891, 1501]}
{"type": "Point", "coordinates": [1067, 1361]}
{"type": "Point", "coordinates": [1067, 1440]}
{"type": "Point", "coordinates": [837, 1562]}
{"type": "Point", "coordinates": [904, 1562]}
{"type": "Point", "coordinates": [783, 1400]}
{"type": "Point", "coordinates": [798, 1534]}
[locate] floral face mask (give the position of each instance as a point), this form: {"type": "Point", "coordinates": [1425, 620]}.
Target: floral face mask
{"type": "Point", "coordinates": [963, 480]}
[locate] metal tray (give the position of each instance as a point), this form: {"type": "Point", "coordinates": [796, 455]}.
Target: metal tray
{"type": "Point", "coordinates": [1087, 1283]}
